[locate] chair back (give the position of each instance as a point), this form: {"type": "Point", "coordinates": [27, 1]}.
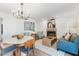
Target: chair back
{"type": "Point", "coordinates": [29, 44]}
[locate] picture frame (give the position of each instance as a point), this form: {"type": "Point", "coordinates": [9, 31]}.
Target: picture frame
{"type": "Point", "coordinates": [29, 26]}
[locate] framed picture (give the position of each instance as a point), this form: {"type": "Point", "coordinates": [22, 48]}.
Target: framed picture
{"type": "Point", "coordinates": [29, 26]}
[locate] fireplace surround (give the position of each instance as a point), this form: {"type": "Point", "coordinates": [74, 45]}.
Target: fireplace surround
{"type": "Point", "coordinates": [51, 28]}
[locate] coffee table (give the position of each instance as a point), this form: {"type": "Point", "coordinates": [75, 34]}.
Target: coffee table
{"type": "Point", "coordinates": [49, 41]}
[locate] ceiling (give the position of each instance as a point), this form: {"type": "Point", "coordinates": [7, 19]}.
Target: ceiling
{"type": "Point", "coordinates": [41, 10]}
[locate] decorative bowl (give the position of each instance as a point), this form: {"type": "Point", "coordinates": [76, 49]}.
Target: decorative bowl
{"type": "Point", "coordinates": [20, 36]}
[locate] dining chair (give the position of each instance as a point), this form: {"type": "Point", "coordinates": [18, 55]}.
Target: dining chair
{"type": "Point", "coordinates": [8, 49]}
{"type": "Point", "coordinates": [29, 45]}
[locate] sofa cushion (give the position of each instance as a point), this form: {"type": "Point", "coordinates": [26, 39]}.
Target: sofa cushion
{"type": "Point", "coordinates": [76, 40]}
{"type": "Point", "coordinates": [74, 35]}
{"type": "Point", "coordinates": [67, 46]}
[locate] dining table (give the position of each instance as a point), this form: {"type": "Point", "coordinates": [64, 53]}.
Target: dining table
{"type": "Point", "coordinates": [17, 42]}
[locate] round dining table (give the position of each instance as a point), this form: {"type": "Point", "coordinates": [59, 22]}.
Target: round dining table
{"type": "Point", "coordinates": [17, 42]}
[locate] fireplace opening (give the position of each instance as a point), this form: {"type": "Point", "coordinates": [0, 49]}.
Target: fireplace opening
{"type": "Point", "coordinates": [51, 33]}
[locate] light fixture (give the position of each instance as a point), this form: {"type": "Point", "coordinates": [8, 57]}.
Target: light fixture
{"type": "Point", "coordinates": [20, 13]}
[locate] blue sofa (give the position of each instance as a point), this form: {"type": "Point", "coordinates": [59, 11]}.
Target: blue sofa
{"type": "Point", "coordinates": [71, 47]}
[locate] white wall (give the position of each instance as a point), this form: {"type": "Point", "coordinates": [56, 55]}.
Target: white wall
{"type": "Point", "coordinates": [11, 25]}
{"type": "Point", "coordinates": [63, 24]}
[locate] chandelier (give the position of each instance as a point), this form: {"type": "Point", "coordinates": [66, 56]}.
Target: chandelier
{"type": "Point", "coordinates": [20, 13]}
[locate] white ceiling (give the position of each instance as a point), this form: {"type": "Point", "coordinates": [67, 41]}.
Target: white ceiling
{"type": "Point", "coordinates": [41, 10]}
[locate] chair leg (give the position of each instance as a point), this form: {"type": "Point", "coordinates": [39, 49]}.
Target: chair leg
{"type": "Point", "coordinates": [1, 51]}
{"type": "Point", "coordinates": [27, 52]}
{"type": "Point", "coordinates": [33, 51]}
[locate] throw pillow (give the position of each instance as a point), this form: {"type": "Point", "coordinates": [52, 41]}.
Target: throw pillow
{"type": "Point", "coordinates": [68, 36]}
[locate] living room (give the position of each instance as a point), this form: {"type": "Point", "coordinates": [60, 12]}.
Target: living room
{"type": "Point", "coordinates": [53, 26]}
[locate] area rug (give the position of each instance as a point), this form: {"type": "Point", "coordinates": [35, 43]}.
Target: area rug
{"type": "Point", "coordinates": [49, 51]}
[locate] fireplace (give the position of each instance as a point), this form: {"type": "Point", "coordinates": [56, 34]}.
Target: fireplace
{"type": "Point", "coordinates": [51, 33]}
{"type": "Point", "coordinates": [51, 28]}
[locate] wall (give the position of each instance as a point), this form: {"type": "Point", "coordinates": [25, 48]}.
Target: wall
{"type": "Point", "coordinates": [63, 25]}
{"type": "Point", "coordinates": [11, 25]}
